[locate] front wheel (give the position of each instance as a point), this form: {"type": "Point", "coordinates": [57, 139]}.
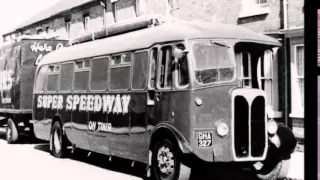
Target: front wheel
{"type": "Point", "coordinates": [166, 162]}
{"type": "Point", "coordinates": [279, 171]}
{"type": "Point", "coordinates": [11, 132]}
{"type": "Point", "coordinates": [58, 141]}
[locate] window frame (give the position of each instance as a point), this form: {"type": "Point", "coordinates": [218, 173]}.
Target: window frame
{"type": "Point", "coordinates": [86, 22]}
{"type": "Point", "coordinates": [119, 66]}
{"type": "Point", "coordinates": [53, 73]}
{"type": "Point", "coordinates": [176, 74]}
{"type": "Point", "coordinates": [68, 27]}
{"type": "Point", "coordinates": [108, 73]}
{"type": "Point", "coordinates": [158, 68]}
{"type": "Point", "coordinates": [114, 9]}
{"type": "Point", "coordinates": [73, 77]}
{"type": "Point", "coordinates": [297, 111]}
{"type": "Point", "coordinates": [81, 70]}
{"type": "Point", "coordinates": [45, 83]}
{"type": "Point", "coordinates": [240, 68]}
{"type": "Point", "coordinates": [133, 64]}
{"type": "Point", "coordinates": [155, 67]}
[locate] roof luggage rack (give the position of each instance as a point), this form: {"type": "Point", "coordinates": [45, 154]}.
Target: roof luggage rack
{"type": "Point", "coordinates": [129, 25]}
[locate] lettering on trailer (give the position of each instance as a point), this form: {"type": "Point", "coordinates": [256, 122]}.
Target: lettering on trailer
{"type": "Point", "coordinates": [99, 126]}
{"type": "Point", "coordinates": [43, 48]}
{"type": "Point", "coordinates": [116, 104]}
{"type": "Point", "coordinates": [6, 82]}
{"type": "Point", "coordinates": [204, 139]}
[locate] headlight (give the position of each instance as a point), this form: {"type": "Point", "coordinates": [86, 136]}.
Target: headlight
{"type": "Point", "coordinates": [272, 127]}
{"type": "Point", "coordinates": [222, 129]}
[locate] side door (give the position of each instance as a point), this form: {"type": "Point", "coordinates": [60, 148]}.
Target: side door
{"type": "Point", "coordinates": [159, 87]}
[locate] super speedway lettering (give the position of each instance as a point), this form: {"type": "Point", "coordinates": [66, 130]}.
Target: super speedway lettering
{"type": "Point", "coordinates": [115, 104]}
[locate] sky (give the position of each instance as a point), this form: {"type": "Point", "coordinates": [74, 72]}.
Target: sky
{"type": "Point", "coordinates": [12, 13]}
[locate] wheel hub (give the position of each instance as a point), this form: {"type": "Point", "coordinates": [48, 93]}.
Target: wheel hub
{"type": "Point", "coordinates": [165, 160]}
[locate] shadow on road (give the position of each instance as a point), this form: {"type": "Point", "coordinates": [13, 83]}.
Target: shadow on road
{"type": "Point", "coordinates": [120, 165]}
{"type": "Point", "coordinates": [23, 139]}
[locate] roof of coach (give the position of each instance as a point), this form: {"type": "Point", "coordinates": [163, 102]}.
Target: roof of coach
{"type": "Point", "coordinates": [145, 38]}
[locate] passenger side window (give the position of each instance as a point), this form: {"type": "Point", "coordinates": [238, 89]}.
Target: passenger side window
{"type": "Point", "coordinates": [165, 78]}
{"type": "Point", "coordinates": [81, 75]}
{"type": "Point", "coordinates": [53, 77]}
{"type": "Point", "coordinates": [99, 74]}
{"type": "Point", "coordinates": [152, 72]}
{"type": "Point", "coordinates": [120, 71]}
{"type": "Point", "coordinates": [140, 70]}
{"type": "Point", "coordinates": [66, 76]}
{"type": "Point", "coordinates": [41, 79]}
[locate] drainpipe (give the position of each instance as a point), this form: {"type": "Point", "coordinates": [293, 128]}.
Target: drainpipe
{"type": "Point", "coordinates": [286, 62]}
{"type": "Point", "coordinates": [285, 14]}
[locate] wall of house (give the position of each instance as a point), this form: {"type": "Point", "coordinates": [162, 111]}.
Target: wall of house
{"type": "Point", "coordinates": [226, 11]}
{"type": "Point", "coordinates": [295, 13]}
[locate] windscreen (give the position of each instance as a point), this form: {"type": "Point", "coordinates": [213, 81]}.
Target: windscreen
{"type": "Point", "coordinates": [213, 62]}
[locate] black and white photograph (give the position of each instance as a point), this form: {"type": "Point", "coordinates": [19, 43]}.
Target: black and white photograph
{"type": "Point", "coordinates": [152, 89]}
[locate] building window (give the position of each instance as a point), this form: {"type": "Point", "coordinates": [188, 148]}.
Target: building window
{"type": "Point", "coordinates": [253, 8]}
{"type": "Point", "coordinates": [39, 31]}
{"type": "Point", "coordinates": [47, 29]}
{"type": "Point", "coordinates": [114, 11]}
{"type": "Point", "coordinates": [297, 82]}
{"type": "Point", "coordinates": [261, 1]}
{"type": "Point", "coordinates": [68, 27]}
{"type": "Point", "coordinates": [86, 22]}
{"type": "Point", "coordinates": [172, 5]}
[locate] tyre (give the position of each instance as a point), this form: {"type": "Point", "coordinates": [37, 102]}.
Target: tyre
{"type": "Point", "coordinates": [58, 141]}
{"type": "Point", "coordinates": [166, 162]}
{"type": "Point", "coordinates": [12, 134]}
{"type": "Point", "coordinates": [279, 171]}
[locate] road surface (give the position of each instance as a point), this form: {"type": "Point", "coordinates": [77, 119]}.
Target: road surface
{"type": "Point", "coordinates": [30, 159]}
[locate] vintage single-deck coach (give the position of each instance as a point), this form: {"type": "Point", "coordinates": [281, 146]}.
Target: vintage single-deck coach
{"type": "Point", "coordinates": [18, 60]}
{"type": "Point", "coordinates": [158, 94]}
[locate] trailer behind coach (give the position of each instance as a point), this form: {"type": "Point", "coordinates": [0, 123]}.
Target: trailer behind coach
{"type": "Point", "coordinates": [158, 94]}
{"type": "Point", "coordinates": [18, 62]}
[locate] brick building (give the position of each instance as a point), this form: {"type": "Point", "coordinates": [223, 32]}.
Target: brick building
{"type": "Point", "coordinates": [281, 19]}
